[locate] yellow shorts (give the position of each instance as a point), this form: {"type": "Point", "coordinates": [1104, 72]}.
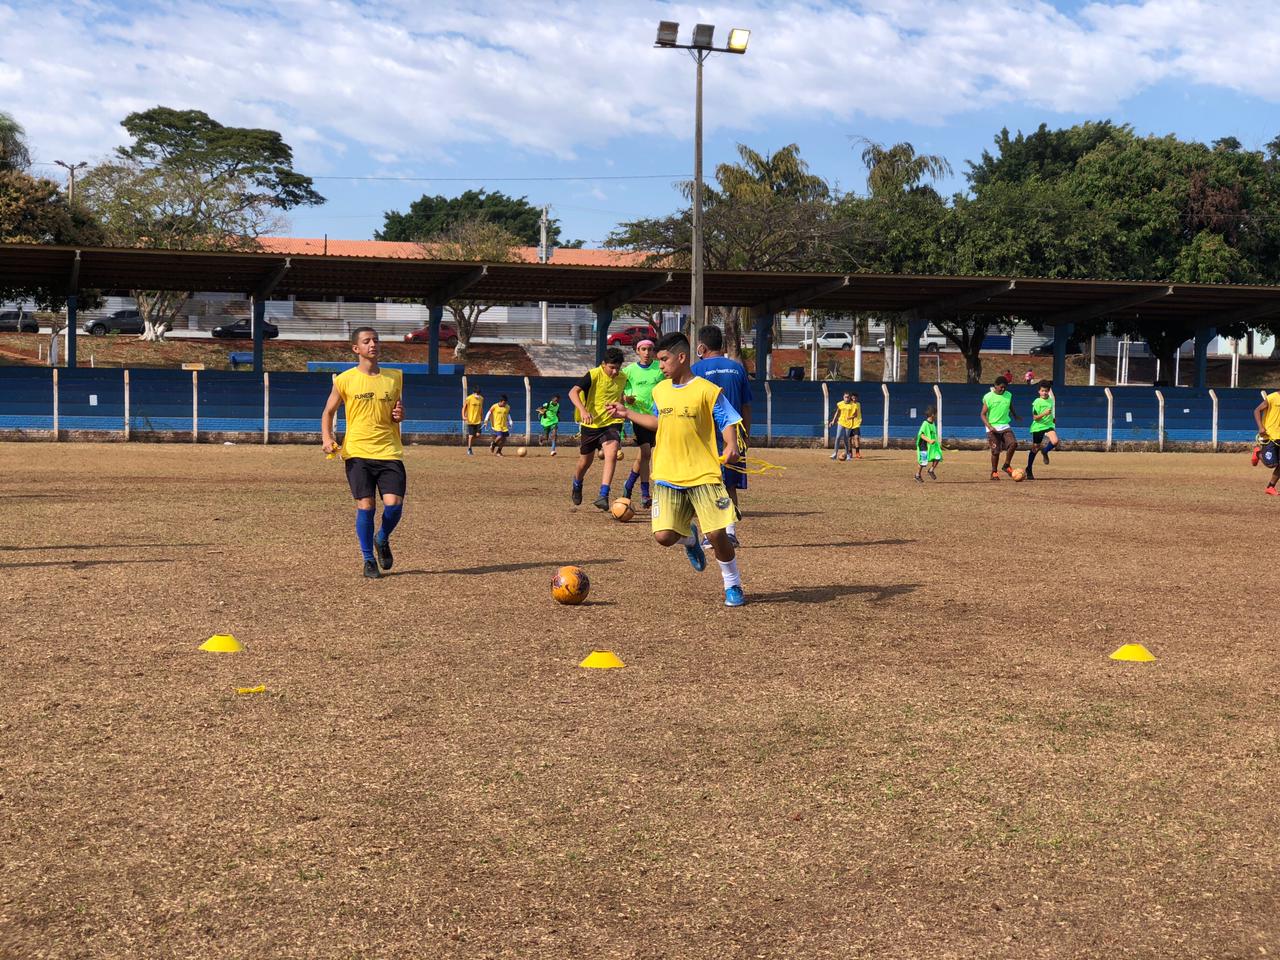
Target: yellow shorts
{"type": "Point", "coordinates": [675, 509]}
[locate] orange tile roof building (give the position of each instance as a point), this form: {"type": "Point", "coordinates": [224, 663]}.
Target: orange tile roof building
{"type": "Point", "coordinates": [562, 256]}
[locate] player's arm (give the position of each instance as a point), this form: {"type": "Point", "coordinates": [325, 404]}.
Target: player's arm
{"type": "Point", "coordinates": [985, 422]}
{"type": "Point", "coordinates": [1258, 411]}
{"type": "Point", "coordinates": [727, 420]}
{"type": "Point", "coordinates": [646, 420]}
{"type": "Point", "coordinates": [326, 420]}
{"type": "Point", "coordinates": [576, 395]}
{"type": "Point", "coordinates": [397, 408]}
{"type": "Point", "coordinates": [488, 415]}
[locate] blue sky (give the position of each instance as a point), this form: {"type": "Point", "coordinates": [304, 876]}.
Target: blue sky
{"type": "Point", "coordinates": [483, 93]}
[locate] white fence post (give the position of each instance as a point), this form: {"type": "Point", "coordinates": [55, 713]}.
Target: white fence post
{"type": "Point", "coordinates": [826, 416]}
{"type": "Point", "coordinates": [126, 404]}
{"type": "Point", "coordinates": [266, 407]}
{"type": "Point", "coordinates": [1111, 413]}
{"type": "Point", "coordinates": [884, 443]}
{"type": "Point", "coordinates": [1160, 419]}
{"type": "Point", "coordinates": [195, 406]}
{"type": "Point", "coordinates": [55, 399]}
{"type": "Point", "coordinates": [768, 414]}
{"type": "Point", "coordinates": [1213, 395]}
{"type": "Point", "coordinates": [937, 397]}
{"type": "Point", "coordinates": [528, 410]}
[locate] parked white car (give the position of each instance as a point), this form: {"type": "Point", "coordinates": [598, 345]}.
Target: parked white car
{"type": "Point", "coordinates": [929, 342]}
{"type": "Point", "coordinates": [830, 340]}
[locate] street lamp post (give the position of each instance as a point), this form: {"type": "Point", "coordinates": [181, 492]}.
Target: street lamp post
{"type": "Point", "coordinates": [71, 169]}
{"type": "Point", "coordinates": [701, 48]}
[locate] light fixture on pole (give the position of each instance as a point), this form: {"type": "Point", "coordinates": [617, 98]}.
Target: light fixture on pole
{"type": "Point", "coordinates": [703, 46]}
{"type": "Point", "coordinates": [71, 169]}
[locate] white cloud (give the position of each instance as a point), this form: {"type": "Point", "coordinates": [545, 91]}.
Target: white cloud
{"type": "Point", "coordinates": [414, 81]}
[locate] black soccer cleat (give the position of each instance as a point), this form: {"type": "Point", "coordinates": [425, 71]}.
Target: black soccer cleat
{"type": "Point", "coordinates": [382, 550]}
{"type": "Point", "coordinates": [1028, 475]}
{"type": "Point", "coordinates": [601, 503]}
{"type": "Point", "coordinates": [371, 570]}
{"type": "Point", "coordinates": [1044, 455]}
{"type": "Point", "coordinates": [576, 496]}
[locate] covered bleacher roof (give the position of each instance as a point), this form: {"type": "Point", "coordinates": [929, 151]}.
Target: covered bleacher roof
{"type": "Point", "coordinates": [314, 275]}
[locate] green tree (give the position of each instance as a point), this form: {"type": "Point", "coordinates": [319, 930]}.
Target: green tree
{"type": "Point", "coordinates": [480, 240]}
{"type": "Point", "coordinates": [1046, 155]}
{"type": "Point", "coordinates": [899, 169]}
{"type": "Point", "coordinates": [188, 182]}
{"type": "Point", "coordinates": [430, 217]}
{"type": "Point", "coordinates": [14, 154]}
{"type": "Point", "coordinates": [34, 210]}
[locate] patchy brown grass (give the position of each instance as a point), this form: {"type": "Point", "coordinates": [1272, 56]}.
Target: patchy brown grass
{"type": "Point", "coordinates": [129, 351]}
{"type": "Point", "coordinates": [911, 743]}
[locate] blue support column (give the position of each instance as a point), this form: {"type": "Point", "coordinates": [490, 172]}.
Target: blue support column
{"type": "Point", "coordinates": [71, 330]}
{"type": "Point", "coordinates": [604, 317]}
{"type": "Point", "coordinates": [764, 344]}
{"type": "Point", "coordinates": [1061, 333]}
{"type": "Point", "coordinates": [1203, 337]}
{"type": "Point", "coordinates": [259, 318]}
{"type": "Point", "coordinates": [914, 329]}
{"type": "Point", "coordinates": [434, 316]}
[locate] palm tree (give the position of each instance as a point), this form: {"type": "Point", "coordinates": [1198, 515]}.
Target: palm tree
{"type": "Point", "coordinates": [13, 144]}
{"type": "Point", "coordinates": [899, 169]}
{"type": "Point", "coordinates": [780, 175]}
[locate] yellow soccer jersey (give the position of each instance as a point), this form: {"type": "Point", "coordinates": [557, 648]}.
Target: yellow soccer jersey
{"type": "Point", "coordinates": [1271, 419]}
{"type": "Point", "coordinates": [850, 414]}
{"type": "Point", "coordinates": [603, 391]}
{"type": "Point", "coordinates": [473, 409]}
{"type": "Point", "coordinates": [501, 417]}
{"type": "Point", "coordinates": [368, 400]}
{"type": "Point", "coordinates": [685, 452]}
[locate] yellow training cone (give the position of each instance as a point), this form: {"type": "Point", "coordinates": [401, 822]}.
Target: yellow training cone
{"type": "Point", "coordinates": [601, 660]}
{"type": "Point", "coordinates": [260, 688]}
{"type": "Point", "coordinates": [222, 643]}
{"type": "Point", "coordinates": [1133, 651]}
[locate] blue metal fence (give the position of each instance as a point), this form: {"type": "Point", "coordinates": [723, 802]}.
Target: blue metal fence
{"type": "Point", "coordinates": [173, 402]}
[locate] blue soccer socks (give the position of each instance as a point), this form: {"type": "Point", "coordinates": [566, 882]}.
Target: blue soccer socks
{"type": "Point", "coordinates": [364, 531]}
{"type": "Point", "coordinates": [390, 517]}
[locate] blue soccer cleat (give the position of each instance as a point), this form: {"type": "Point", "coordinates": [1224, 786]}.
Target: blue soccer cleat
{"type": "Point", "coordinates": [697, 556]}
{"type": "Point", "coordinates": [733, 596]}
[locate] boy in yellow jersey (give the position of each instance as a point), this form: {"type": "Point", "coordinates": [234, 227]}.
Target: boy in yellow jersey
{"type": "Point", "coordinates": [472, 417]}
{"type": "Point", "coordinates": [371, 449]}
{"type": "Point", "coordinates": [688, 413]}
{"type": "Point", "coordinates": [593, 397]}
{"type": "Point", "coordinates": [848, 421]}
{"type": "Point", "coordinates": [1267, 416]}
{"type": "Point", "coordinates": [500, 416]}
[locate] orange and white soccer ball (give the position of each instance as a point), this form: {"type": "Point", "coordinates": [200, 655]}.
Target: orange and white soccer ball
{"type": "Point", "coordinates": [522, 451]}
{"type": "Point", "coordinates": [622, 511]}
{"type": "Point", "coordinates": [1019, 474]}
{"type": "Point", "coordinates": [570, 586]}
{"type": "Point", "coordinates": [844, 455]}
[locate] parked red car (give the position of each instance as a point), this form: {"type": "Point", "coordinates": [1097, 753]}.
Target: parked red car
{"type": "Point", "coordinates": [448, 335]}
{"type": "Point", "coordinates": [633, 335]}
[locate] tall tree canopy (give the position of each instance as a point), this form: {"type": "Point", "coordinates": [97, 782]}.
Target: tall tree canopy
{"type": "Point", "coordinates": [475, 239]}
{"type": "Point", "coordinates": [431, 217]}
{"type": "Point", "coordinates": [188, 182]}
{"type": "Point", "coordinates": [14, 154]}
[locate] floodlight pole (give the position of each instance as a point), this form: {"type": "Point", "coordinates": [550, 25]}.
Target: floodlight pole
{"type": "Point", "coordinates": [696, 298]}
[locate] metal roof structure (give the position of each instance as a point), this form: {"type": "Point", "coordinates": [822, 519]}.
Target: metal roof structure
{"type": "Point", "coordinates": [433, 281]}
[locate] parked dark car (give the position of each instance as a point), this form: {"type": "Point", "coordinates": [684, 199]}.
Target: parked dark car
{"type": "Point", "coordinates": [16, 320]}
{"type": "Point", "coordinates": [633, 335]}
{"type": "Point", "coordinates": [1045, 349]}
{"type": "Point", "coordinates": [448, 335]}
{"type": "Point", "coordinates": [122, 321]}
{"type": "Point", "coordinates": [241, 330]}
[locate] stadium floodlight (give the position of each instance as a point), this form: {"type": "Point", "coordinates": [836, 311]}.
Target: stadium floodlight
{"type": "Point", "coordinates": [702, 36]}
{"type": "Point", "coordinates": [668, 33]}
{"type": "Point", "coordinates": [738, 39]}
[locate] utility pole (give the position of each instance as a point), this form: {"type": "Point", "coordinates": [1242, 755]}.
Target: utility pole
{"type": "Point", "coordinates": [544, 254]}
{"type": "Point", "coordinates": [696, 307]}
{"type": "Point", "coordinates": [71, 169]}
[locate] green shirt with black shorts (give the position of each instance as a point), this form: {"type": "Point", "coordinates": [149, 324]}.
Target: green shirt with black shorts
{"type": "Point", "coordinates": [1039, 405]}
{"type": "Point", "coordinates": [928, 446]}
{"type": "Point", "coordinates": [640, 383]}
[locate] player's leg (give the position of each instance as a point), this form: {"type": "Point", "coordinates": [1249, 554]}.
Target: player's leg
{"type": "Point", "coordinates": [1271, 484]}
{"type": "Point", "coordinates": [392, 483]}
{"type": "Point", "coordinates": [857, 442]}
{"type": "Point", "coordinates": [471, 436]}
{"type": "Point", "coordinates": [501, 441]}
{"type": "Point", "coordinates": [839, 444]}
{"type": "Point", "coordinates": [1037, 442]}
{"type": "Point", "coordinates": [1053, 443]}
{"type": "Point", "coordinates": [933, 469]}
{"type": "Point", "coordinates": [714, 508]}
{"type": "Point", "coordinates": [588, 443]}
{"type": "Point", "coordinates": [610, 447]}
{"type": "Point", "coordinates": [1010, 448]}
{"type": "Point", "coordinates": [363, 487]}
{"type": "Point", "coordinates": [922, 458]}
{"type": "Point", "coordinates": [672, 524]}
{"type": "Point", "coordinates": [993, 441]}
{"type": "Point", "coordinates": [555, 436]}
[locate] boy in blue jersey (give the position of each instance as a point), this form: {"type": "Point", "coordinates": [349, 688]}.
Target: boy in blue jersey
{"type": "Point", "coordinates": [731, 377]}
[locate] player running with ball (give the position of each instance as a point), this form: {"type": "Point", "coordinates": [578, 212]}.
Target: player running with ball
{"type": "Point", "coordinates": [688, 414]}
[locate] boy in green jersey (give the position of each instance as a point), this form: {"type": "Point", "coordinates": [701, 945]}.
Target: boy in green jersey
{"type": "Point", "coordinates": [997, 414]}
{"type": "Point", "coordinates": [928, 445]}
{"type": "Point", "coordinates": [1043, 435]}
{"type": "Point", "coordinates": [642, 376]}
{"type": "Point", "coordinates": [549, 417]}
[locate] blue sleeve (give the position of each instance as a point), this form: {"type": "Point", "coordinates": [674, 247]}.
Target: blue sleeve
{"type": "Point", "coordinates": [724, 413]}
{"type": "Point", "coordinates": [655, 410]}
{"type": "Point", "coordinates": [746, 387]}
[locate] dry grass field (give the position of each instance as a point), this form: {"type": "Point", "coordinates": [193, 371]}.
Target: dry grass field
{"type": "Point", "coordinates": [910, 743]}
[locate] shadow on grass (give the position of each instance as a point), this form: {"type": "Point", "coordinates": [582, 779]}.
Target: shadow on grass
{"type": "Point", "coordinates": [498, 568]}
{"type": "Point", "coordinates": [989, 481]}
{"type": "Point", "coordinates": [834, 592]}
{"type": "Point", "coordinates": [778, 513]}
{"type": "Point", "coordinates": [843, 543]}
{"type": "Point", "coordinates": [99, 546]}
{"type": "Point", "coordinates": [77, 564]}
